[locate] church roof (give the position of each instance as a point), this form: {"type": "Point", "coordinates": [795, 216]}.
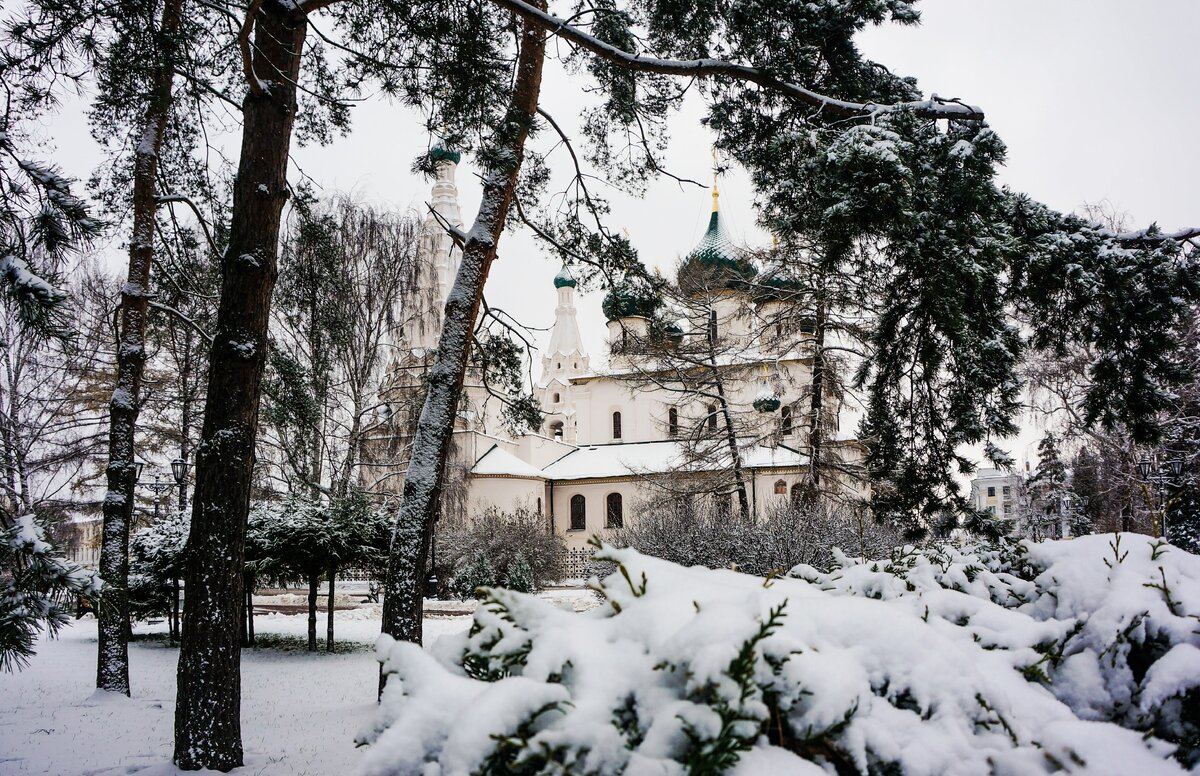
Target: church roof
{"type": "Point", "coordinates": [642, 458]}
{"type": "Point", "coordinates": [440, 153]}
{"type": "Point", "coordinates": [498, 461]}
{"type": "Point", "coordinates": [716, 261]}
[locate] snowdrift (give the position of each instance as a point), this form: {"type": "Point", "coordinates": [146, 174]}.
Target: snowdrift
{"type": "Point", "coordinates": [1063, 657]}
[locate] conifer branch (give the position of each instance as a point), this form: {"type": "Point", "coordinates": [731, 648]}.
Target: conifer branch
{"type": "Point", "coordinates": [933, 108]}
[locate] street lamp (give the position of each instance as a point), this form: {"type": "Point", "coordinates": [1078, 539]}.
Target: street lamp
{"type": "Point", "coordinates": [159, 488]}
{"type": "Point", "coordinates": [1161, 474]}
{"type": "Point", "coordinates": [179, 470]}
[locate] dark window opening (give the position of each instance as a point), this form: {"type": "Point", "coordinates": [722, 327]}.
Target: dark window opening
{"type": "Point", "coordinates": [556, 429]}
{"type": "Point", "coordinates": [578, 513]}
{"type": "Point", "coordinates": [712, 417]}
{"type": "Point", "coordinates": [613, 515]}
{"type": "Point", "coordinates": [785, 421]}
{"type": "Point", "coordinates": [616, 425]}
{"type": "Point", "coordinates": [556, 398]}
{"type": "Point", "coordinates": [673, 422]}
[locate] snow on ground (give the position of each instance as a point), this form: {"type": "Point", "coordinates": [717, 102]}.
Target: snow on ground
{"type": "Point", "coordinates": [300, 711]}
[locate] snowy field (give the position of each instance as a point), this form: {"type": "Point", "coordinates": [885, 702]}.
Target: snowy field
{"type": "Point", "coordinates": [300, 711]}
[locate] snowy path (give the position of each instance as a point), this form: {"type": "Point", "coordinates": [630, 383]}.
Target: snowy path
{"type": "Point", "coordinates": [300, 712]}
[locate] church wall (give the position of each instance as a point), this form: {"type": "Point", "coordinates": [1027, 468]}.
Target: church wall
{"type": "Point", "coordinates": [507, 494]}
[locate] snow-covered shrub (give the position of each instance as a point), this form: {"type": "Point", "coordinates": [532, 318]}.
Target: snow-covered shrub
{"type": "Point", "coordinates": [697, 533]}
{"type": "Point", "coordinates": [155, 563]}
{"type": "Point", "coordinates": [1109, 623]}
{"type": "Point", "coordinates": [698, 671]}
{"type": "Point", "coordinates": [476, 574]}
{"type": "Point", "coordinates": [500, 536]}
{"type": "Point", "coordinates": [37, 589]}
{"type": "Point", "coordinates": [520, 576]}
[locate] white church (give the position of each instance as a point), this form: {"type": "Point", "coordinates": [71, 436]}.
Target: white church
{"type": "Point", "coordinates": [617, 432]}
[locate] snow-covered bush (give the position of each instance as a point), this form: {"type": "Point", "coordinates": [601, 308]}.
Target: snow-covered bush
{"type": "Point", "coordinates": [1109, 623]}
{"type": "Point", "coordinates": [156, 564]}
{"type": "Point", "coordinates": [500, 537]}
{"type": "Point", "coordinates": [476, 574]}
{"type": "Point", "coordinates": [520, 576]}
{"type": "Point", "coordinates": [697, 671]}
{"type": "Point", "coordinates": [37, 589]}
{"type": "Point", "coordinates": [696, 533]}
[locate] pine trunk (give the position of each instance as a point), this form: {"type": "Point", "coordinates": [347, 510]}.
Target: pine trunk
{"type": "Point", "coordinates": [409, 555]}
{"type": "Point", "coordinates": [313, 581]}
{"type": "Point", "coordinates": [208, 705]}
{"type": "Point", "coordinates": [817, 401]}
{"type": "Point", "coordinates": [251, 584]}
{"type": "Point", "coordinates": [329, 614]}
{"type": "Point", "coordinates": [112, 653]}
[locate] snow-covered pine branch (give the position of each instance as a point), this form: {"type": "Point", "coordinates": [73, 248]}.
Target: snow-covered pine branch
{"type": "Point", "coordinates": [933, 108]}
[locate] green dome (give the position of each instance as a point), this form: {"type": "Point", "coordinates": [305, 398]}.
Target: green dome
{"type": "Point", "coordinates": [716, 262]}
{"type": "Point", "coordinates": [564, 279]}
{"type": "Point", "coordinates": [439, 153]}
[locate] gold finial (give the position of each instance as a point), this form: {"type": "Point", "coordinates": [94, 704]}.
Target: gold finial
{"type": "Point", "coordinates": [774, 241]}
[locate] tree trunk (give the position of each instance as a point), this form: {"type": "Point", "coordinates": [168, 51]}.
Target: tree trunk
{"type": "Point", "coordinates": [251, 584]}
{"type": "Point", "coordinates": [112, 652]}
{"type": "Point", "coordinates": [175, 609]}
{"type": "Point", "coordinates": [208, 703]}
{"type": "Point", "coordinates": [314, 580]}
{"type": "Point", "coordinates": [185, 419]}
{"type": "Point", "coordinates": [405, 579]}
{"type": "Point", "coordinates": [329, 614]}
{"type": "Point", "coordinates": [817, 401]}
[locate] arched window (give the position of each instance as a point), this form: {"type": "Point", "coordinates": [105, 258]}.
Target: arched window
{"type": "Point", "coordinates": [578, 512]}
{"type": "Point", "coordinates": [614, 516]}
{"type": "Point", "coordinates": [785, 421]}
{"type": "Point", "coordinates": [616, 425]}
{"type": "Point", "coordinates": [556, 429]}
{"type": "Point", "coordinates": [673, 422]}
{"type": "Point", "coordinates": [557, 398]}
{"type": "Point", "coordinates": [780, 488]}
{"type": "Point", "coordinates": [558, 365]}
{"type": "Point", "coordinates": [712, 417]}
{"type": "Point", "coordinates": [712, 325]}
{"type": "Point", "coordinates": [539, 503]}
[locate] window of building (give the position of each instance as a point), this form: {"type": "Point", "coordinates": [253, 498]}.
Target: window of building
{"type": "Point", "coordinates": [1007, 491]}
{"type": "Point", "coordinates": [673, 422]}
{"type": "Point", "coordinates": [613, 514]}
{"type": "Point", "coordinates": [712, 417]}
{"type": "Point", "coordinates": [557, 398]}
{"type": "Point", "coordinates": [991, 492]}
{"type": "Point", "coordinates": [539, 505]}
{"type": "Point", "coordinates": [616, 425]}
{"type": "Point", "coordinates": [780, 488]}
{"type": "Point", "coordinates": [578, 512]}
{"type": "Point", "coordinates": [558, 365]}
{"type": "Point", "coordinates": [712, 325]}
{"type": "Point", "coordinates": [785, 421]}
{"type": "Point", "coordinates": [556, 429]}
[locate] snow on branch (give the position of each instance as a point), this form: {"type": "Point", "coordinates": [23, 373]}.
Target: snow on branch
{"type": "Point", "coordinates": [1153, 235]}
{"type": "Point", "coordinates": [933, 108]}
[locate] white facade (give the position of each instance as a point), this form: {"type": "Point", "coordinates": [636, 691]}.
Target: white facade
{"type": "Point", "coordinates": [607, 439]}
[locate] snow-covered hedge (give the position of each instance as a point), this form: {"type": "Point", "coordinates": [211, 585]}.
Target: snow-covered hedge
{"type": "Point", "coordinates": [885, 668]}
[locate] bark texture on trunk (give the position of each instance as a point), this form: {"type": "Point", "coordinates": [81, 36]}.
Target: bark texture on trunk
{"type": "Point", "coordinates": [816, 426]}
{"type": "Point", "coordinates": [407, 563]}
{"type": "Point", "coordinates": [208, 704]}
{"type": "Point", "coordinates": [112, 652]}
{"type": "Point", "coordinates": [313, 582]}
{"type": "Point", "coordinates": [329, 614]}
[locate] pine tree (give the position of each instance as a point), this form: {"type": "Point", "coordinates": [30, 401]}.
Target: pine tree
{"type": "Point", "coordinates": [519, 576]}
{"type": "Point", "coordinates": [1049, 492]}
{"type": "Point", "coordinates": [478, 573]}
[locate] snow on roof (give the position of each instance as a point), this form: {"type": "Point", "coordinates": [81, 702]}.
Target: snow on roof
{"type": "Point", "coordinates": [498, 461]}
{"type": "Point", "coordinates": [640, 458]}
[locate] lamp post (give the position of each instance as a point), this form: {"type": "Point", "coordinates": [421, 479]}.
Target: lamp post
{"type": "Point", "coordinates": [179, 470]}
{"type": "Point", "coordinates": [159, 488]}
{"type": "Point", "coordinates": [1161, 474]}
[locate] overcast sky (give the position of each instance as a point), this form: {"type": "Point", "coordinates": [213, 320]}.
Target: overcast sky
{"type": "Point", "coordinates": [1095, 99]}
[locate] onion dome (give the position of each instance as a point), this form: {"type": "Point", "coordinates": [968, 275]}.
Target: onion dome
{"type": "Point", "coordinates": [776, 287]}
{"type": "Point", "coordinates": [632, 297]}
{"type": "Point", "coordinates": [564, 278]}
{"type": "Point", "coordinates": [440, 153]}
{"type": "Point", "coordinates": [716, 262]}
